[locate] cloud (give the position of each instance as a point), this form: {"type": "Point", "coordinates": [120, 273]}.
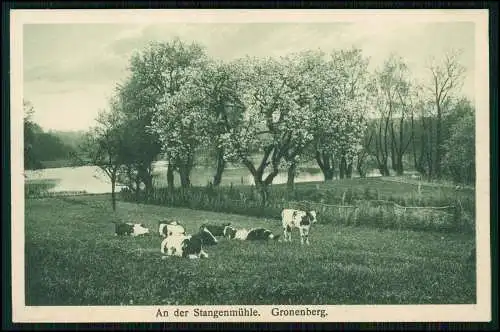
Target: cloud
{"type": "Point", "coordinates": [95, 69]}
{"type": "Point", "coordinates": [65, 63]}
{"type": "Point", "coordinates": [68, 109]}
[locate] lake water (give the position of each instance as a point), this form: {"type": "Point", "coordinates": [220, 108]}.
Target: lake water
{"type": "Point", "coordinates": [92, 180]}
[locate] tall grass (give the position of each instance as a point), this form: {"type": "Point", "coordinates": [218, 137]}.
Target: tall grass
{"type": "Point", "coordinates": [41, 189]}
{"type": "Point", "coordinates": [369, 207]}
{"type": "Point", "coordinates": [38, 188]}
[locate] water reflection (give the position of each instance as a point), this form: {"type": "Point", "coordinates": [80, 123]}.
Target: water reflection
{"type": "Point", "coordinates": [92, 180]}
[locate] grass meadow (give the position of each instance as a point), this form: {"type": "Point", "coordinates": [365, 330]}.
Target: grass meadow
{"type": "Point", "coordinates": [74, 258]}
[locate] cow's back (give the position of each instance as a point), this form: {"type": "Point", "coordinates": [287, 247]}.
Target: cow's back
{"type": "Point", "coordinates": [291, 217]}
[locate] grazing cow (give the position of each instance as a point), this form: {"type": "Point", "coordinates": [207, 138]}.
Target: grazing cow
{"type": "Point", "coordinates": [130, 229]}
{"type": "Point", "coordinates": [187, 246]}
{"type": "Point", "coordinates": [297, 219]}
{"type": "Point", "coordinates": [249, 235]}
{"type": "Point", "coordinates": [167, 228]}
{"type": "Point", "coordinates": [217, 229]}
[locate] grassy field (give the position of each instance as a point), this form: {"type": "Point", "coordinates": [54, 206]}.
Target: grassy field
{"type": "Point", "coordinates": [73, 258]}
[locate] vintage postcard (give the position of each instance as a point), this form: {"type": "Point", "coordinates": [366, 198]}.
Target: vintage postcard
{"type": "Point", "coordinates": [250, 166]}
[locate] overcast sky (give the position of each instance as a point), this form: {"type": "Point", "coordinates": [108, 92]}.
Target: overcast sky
{"type": "Point", "coordinates": [70, 69]}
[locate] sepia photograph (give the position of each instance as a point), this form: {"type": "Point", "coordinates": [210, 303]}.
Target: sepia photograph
{"type": "Point", "coordinates": [257, 165]}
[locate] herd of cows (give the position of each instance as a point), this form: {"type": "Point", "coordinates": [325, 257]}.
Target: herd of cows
{"type": "Point", "coordinates": [177, 243]}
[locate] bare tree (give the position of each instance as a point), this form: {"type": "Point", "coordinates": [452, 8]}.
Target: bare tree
{"type": "Point", "coordinates": [105, 148]}
{"type": "Point", "coordinates": [446, 77]}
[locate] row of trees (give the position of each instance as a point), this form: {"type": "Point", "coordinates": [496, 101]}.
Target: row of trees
{"type": "Point", "coordinates": [271, 114]}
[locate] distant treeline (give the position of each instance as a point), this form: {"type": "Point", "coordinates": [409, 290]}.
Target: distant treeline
{"type": "Point", "coordinates": [47, 149]}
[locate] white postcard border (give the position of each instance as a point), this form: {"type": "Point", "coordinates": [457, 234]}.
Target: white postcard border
{"type": "Point", "coordinates": [480, 312]}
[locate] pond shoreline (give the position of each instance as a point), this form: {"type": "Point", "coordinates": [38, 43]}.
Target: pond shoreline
{"type": "Point", "coordinates": [92, 180]}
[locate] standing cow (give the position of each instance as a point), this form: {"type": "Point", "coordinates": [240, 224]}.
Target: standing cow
{"type": "Point", "coordinates": [297, 219]}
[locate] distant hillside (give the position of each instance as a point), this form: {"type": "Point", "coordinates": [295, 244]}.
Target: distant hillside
{"type": "Point", "coordinates": [70, 138]}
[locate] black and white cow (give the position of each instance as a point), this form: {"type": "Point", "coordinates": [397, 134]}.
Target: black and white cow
{"type": "Point", "coordinates": [132, 229]}
{"type": "Point", "coordinates": [167, 228]}
{"type": "Point", "coordinates": [216, 229]}
{"type": "Point", "coordinates": [252, 234]}
{"type": "Point", "coordinates": [187, 246]}
{"type": "Point", "coordinates": [297, 219]}
{"type": "Point", "coordinates": [232, 233]}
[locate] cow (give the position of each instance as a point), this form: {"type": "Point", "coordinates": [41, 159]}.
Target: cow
{"type": "Point", "coordinates": [187, 246]}
{"type": "Point", "coordinates": [249, 235]}
{"type": "Point", "coordinates": [132, 229]}
{"type": "Point", "coordinates": [233, 233]}
{"type": "Point", "coordinates": [167, 228]}
{"type": "Point", "coordinates": [216, 229]}
{"type": "Point", "coordinates": [297, 219]}
{"type": "Point", "coordinates": [261, 234]}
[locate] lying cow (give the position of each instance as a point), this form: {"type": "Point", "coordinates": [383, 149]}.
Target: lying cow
{"type": "Point", "coordinates": [167, 228]}
{"type": "Point", "coordinates": [130, 229]}
{"type": "Point", "coordinates": [249, 235]}
{"type": "Point", "coordinates": [297, 219]}
{"type": "Point", "coordinates": [233, 233]}
{"type": "Point", "coordinates": [187, 246]}
{"type": "Point", "coordinates": [216, 229]}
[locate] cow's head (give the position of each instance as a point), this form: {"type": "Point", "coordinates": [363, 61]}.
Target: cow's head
{"type": "Point", "coordinates": [269, 235]}
{"type": "Point", "coordinates": [313, 215]}
{"type": "Point", "coordinates": [207, 237]}
{"type": "Point", "coordinates": [229, 232]}
{"type": "Point", "coordinates": [140, 229]}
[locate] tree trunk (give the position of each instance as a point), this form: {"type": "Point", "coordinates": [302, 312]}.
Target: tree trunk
{"type": "Point", "coordinates": [429, 151]}
{"type": "Point", "coordinates": [386, 138]}
{"type": "Point", "coordinates": [402, 147]}
{"type": "Point", "coordinates": [221, 164]}
{"type": "Point", "coordinates": [184, 177]}
{"type": "Point", "coordinates": [394, 162]}
{"type": "Point", "coordinates": [170, 176]}
{"type": "Point", "coordinates": [148, 185]}
{"type": "Point", "coordinates": [113, 189]}
{"type": "Point", "coordinates": [383, 169]}
{"type": "Point", "coordinates": [342, 167]}
{"type": "Point", "coordinates": [137, 188]}
{"type": "Point", "coordinates": [399, 163]}
{"type": "Point", "coordinates": [437, 168]}
{"type": "Point", "coordinates": [262, 189]}
{"type": "Point", "coordinates": [414, 145]}
{"type": "Point", "coordinates": [361, 170]}
{"type": "Point", "coordinates": [423, 143]}
{"type": "Point", "coordinates": [360, 161]}
{"type": "Point", "coordinates": [349, 171]}
{"type": "Point", "coordinates": [325, 165]}
{"type": "Point", "coordinates": [381, 149]}
{"type": "Point", "coordinates": [292, 170]}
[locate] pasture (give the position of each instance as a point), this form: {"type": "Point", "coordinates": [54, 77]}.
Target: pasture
{"type": "Point", "coordinates": [73, 258]}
